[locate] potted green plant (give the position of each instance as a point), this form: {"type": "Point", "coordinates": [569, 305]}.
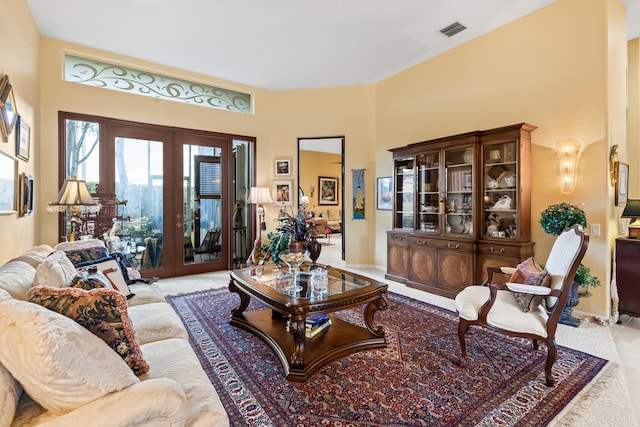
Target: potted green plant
{"type": "Point", "coordinates": [291, 229]}
{"type": "Point", "coordinates": [554, 220]}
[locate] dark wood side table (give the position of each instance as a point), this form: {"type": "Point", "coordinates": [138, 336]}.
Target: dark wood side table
{"type": "Point", "coordinates": [628, 275]}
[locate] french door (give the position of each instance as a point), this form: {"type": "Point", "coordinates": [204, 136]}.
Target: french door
{"type": "Point", "coordinates": [167, 194]}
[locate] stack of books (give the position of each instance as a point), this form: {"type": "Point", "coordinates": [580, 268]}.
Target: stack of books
{"type": "Point", "coordinates": [315, 324]}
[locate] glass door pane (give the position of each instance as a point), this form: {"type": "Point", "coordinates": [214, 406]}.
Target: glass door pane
{"type": "Point", "coordinates": [404, 193]}
{"type": "Point", "coordinates": [428, 192]}
{"type": "Point", "coordinates": [500, 189]}
{"type": "Point", "coordinates": [140, 182]}
{"type": "Point", "coordinates": [459, 196]}
{"type": "Point", "coordinates": [202, 190]}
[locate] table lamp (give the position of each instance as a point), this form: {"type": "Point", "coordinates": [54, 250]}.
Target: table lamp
{"type": "Point", "coordinates": [73, 195]}
{"type": "Point", "coordinates": [632, 210]}
{"type": "Point", "coordinates": [258, 196]}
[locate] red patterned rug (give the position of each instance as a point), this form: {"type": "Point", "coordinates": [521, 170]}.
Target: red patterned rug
{"type": "Point", "coordinates": [415, 381]}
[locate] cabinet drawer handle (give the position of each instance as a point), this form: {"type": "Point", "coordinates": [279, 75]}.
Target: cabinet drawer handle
{"type": "Point", "coordinates": [493, 251]}
{"type": "Point", "coordinates": [421, 242]}
{"type": "Point", "coordinates": [396, 238]}
{"type": "Point", "coordinates": [450, 246]}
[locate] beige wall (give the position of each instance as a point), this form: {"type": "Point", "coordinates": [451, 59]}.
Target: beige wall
{"type": "Point", "coordinates": [280, 119]}
{"type": "Point", "coordinates": [19, 39]}
{"type": "Point", "coordinates": [548, 69]}
{"type": "Point", "coordinates": [562, 74]}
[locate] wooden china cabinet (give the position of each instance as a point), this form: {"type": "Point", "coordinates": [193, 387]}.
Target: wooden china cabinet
{"type": "Point", "coordinates": [461, 203]}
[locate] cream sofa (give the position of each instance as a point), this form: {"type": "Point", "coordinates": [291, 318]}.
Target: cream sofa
{"type": "Point", "coordinates": [333, 218]}
{"type": "Point", "coordinates": [174, 392]}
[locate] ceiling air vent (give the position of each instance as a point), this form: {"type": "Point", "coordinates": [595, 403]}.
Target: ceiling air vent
{"type": "Point", "coordinates": [453, 29]}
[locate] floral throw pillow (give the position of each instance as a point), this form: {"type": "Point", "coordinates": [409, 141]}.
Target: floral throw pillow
{"type": "Point", "coordinates": [529, 272]}
{"type": "Point", "coordinates": [102, 311]}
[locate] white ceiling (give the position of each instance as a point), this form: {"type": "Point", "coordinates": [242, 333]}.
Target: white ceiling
{"type": "Point", "coordinates": [282, 44]}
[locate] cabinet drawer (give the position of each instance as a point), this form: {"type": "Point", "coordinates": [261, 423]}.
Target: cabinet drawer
{"type": "Point", "coordinates": [501, 249]}
{"type": "Point", "coordinates": [398, 238]}
{"type": "Point", "coordinates": [453, 245]}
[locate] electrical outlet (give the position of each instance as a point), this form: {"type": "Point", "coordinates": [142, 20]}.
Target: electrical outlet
{"type": "Point", "coordinates": [594, 229]}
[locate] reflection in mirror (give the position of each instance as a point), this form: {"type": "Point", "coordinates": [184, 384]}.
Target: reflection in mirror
{"type": "Point", "coordinates": [319, 159]}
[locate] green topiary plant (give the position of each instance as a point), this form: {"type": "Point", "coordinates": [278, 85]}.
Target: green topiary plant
{"type": "Point", "coordinates": [554, 220]}
{"type": "Point", "coordinates": [563, 215]}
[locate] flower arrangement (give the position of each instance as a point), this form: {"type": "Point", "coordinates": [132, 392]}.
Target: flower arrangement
{"type": "Point", "coordinates": [557, 217]}
{"type": "Point", "coordinates": [554, 220]}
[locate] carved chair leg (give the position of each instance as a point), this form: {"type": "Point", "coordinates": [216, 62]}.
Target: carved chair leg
{"type": "Point", "coordinates": [552, 354]}
{"type": "Point", "coordinates": [463, 327]}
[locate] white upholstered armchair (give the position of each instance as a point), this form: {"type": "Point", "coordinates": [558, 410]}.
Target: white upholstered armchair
{"type": "Point", "coordinates": [496, 305]}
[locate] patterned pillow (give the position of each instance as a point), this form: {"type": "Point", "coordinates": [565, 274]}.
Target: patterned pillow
{"type": "Point", "coordinates": [113, 270]}
{"type": "Point", "coordinates": [86, 254]}
{"type": "Point", "coordinates": [88, 282]}
{"type": "Point", "coordinates": [527, 268]}
{"type": "Point", "coordinates": [529, 272]}
{"type": "Point", "coordinates": [103, 312]}
{"type": "Point", "coordinates": [529, 302]}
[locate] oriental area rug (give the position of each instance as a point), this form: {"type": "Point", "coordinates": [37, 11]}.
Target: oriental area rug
{"type": "Point", "coordinates": [415, 381]}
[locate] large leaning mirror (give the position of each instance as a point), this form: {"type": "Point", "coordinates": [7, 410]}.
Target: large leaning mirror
{"type": "Point", "coordinates": [321, 181]}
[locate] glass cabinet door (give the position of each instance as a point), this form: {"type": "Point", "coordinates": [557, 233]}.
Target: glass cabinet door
{"type": "Point", "coordinates": [404, 187]}
{"type": "Point", "coordinates": [428, 166]}
{"type": "Point", "coordinates": [458, 203]}
{"type": "Point", "coordinates": [500, 189]}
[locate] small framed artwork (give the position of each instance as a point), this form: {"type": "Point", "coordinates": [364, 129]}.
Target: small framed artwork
{"type": "Point", "coordinates": [23, 139]}
{"type": "Point", "coordinates": [328, 190]}
{"type": "Point", "coordinates": [384, 194]}
{"type": "Point", "coordinates": [622, 183]}
{"type": "Point", "coordinates": [8, 112]}
{"type": "Point", "coordinates": [8, 175]}
{"type": "Point", "coordinates": [282, 192]}
{"type": "Point", "coordinates": [26, 195]}
{"type": "Point", "coordinates": [283, 167]}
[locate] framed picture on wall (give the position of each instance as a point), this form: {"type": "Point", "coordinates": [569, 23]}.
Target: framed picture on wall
{"type": "Point", "coordinates": [282, 192]}
{"type": "Point", "coordinates": [328, 190]}
{"type": "Point", "coordinates": [282, 167]}
{"type": "Point", "coordinates": [8, 175]}
{"type": "Point", "coordinates": [384, 194]}
{"type": "Point", "coordinates": [23, 140]}
{"type": "Point", "coordinates": [26, 195]}
{"type": "Point", "coordinates": [622, 183]}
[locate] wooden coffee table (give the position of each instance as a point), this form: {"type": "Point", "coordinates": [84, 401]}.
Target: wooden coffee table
{"type": "Point", "coordinates": [282, 326]}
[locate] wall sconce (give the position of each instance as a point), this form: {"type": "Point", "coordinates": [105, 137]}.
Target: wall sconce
{"type": "Point", "coordinates": [313, 188]}
{"type": "Point", "coordinates": [568, 152]}
{"type": "Point", "coordinates": [632, 210]}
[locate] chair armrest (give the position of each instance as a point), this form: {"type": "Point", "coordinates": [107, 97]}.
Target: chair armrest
{"type": "Point", "coordinates": [508, 270]}
{"type": "Point", "coordinates": [144, 403]}
{"type": "Point", "coordinates": [528, 289]}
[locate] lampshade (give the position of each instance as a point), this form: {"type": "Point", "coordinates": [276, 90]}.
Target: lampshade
{"type": "Point", "coordinates": [568, 151]}
{"type": "Point", "coordinates": [73, 193]}
{"type": "Point", "coordinates": [632, 210]}
{"type": "Point", "coordinates": [259, 196]}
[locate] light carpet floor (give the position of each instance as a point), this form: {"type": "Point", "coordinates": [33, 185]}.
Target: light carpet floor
{"type": "Point", "coordinates": [604, 402]}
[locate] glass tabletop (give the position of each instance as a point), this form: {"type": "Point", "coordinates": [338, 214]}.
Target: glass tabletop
{"type": "Point", "coordinates": [282, 281]}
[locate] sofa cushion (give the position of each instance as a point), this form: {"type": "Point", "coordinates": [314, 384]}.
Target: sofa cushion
{"type": "Point", "coordinates": [174, 359]}
{"type": "Point", "coordinates": [144, 293]}
{"type": "Point", "coordinates": [55, 359]}
{"type": "Point", "coordinates": [10, 392]}
{"type": "Point", "coordinates": [102, 311]}
{"type": "Point", "coordinates": [79, 244]}
{"type": "Point", "coordinates": [56, 271]}
{"type": "Point", "coordinates": [16, 278]}
{"type": "Point", "coordinates": [35, 256]}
